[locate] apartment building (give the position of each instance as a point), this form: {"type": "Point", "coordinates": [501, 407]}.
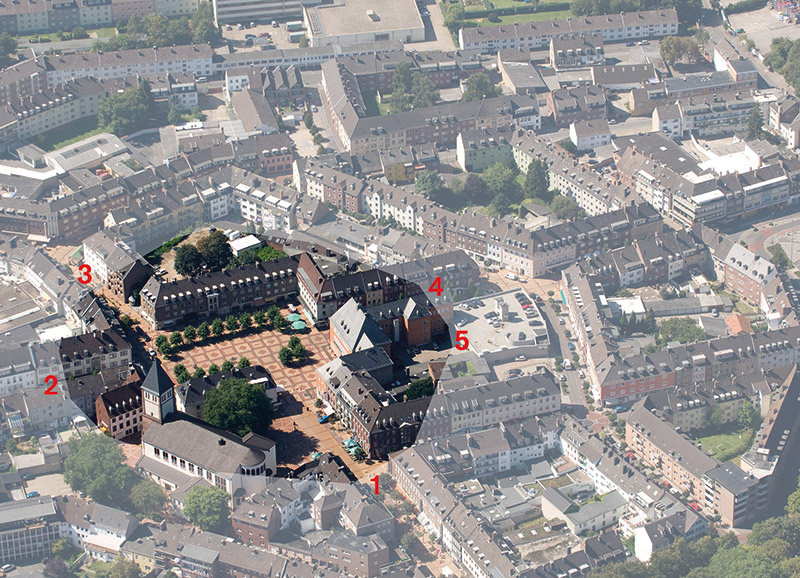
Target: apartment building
{"type": "Point", "coordinates": [17, 370]}
{"type": "Point", "coordinates": [98, 350]}
{"type": "Point", "coordinates": [114, 264]}
{"type": "Point", "coordinates": [28, 528]}
{"type": "Point", "coordinates": [195, 58]}
{"type": "Point", "coordinates": [188, 300]}
{"type": "Point", "coordinates": [478, 150]}
{"type": "Point", "coordinates": [588, 135]}
{"type": "Point", "coordinates": [119, 411]}
{"type": "Point", "coordinates": [576, 51]}
{"type": "Point", "coordinates": [233, 12]}
{"type": "Point", "coordinates": [612, 28]}
{"type": "Point", "coordinates": [703, 116]}
{"type": "Point", "coordinates": [721, 489]}
{"type": "Point", "coordinates": [568, 105]}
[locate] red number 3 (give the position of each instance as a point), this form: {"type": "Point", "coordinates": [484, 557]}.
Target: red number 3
{"type": "Point", "coordinates": [87, 274]}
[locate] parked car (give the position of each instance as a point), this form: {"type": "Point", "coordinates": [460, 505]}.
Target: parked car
{"type": "Point", "coordinates": [571, 346]}
{"type": "Point", "coordinates": [32, 494]}
{"type": "Point", "coordinates": [490, 315]}
{"type": "Point", "coordinates": [324, 419]}
{"type": "Point", "coordinates": [534, 323]}
{"type": "Point", "coordinates": [562, 377]}
{"type": "Point", "coordinates": [561, 321]}
{"type": "Point", "coordinates": [520, 358]}
{"type": "Point", "coordinates": [581, 374]}
{"type": "Point", "coordinates": [8, 567]}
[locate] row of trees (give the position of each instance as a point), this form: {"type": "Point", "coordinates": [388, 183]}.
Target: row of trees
{"type": "Point", "coordinates": [182, 374]}
{"type": "Point", "coordinates": [633, 324]}
{"type": "Point", "coordinates": [156, 30]}
{"type": "Point", "coordinates": [676, 49]}
{"type": "Point", "coordinates": [308, 120]}
{"type": "Point", "coordinates": [689, 11]}
{"type": "Point", "coordinates": [411, 90]}
{"type": "Point", "coordinates": [232, 324]}
{"type": "Point", "coordinates": [784, 57]}
{"type": "Point", "coordinates": [212, 253]}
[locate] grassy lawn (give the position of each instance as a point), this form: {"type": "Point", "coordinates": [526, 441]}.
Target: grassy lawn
{"type": "Point", "coordinates": [556, 482]}
{"type": "Point", "coordinates": [375, 108]}
{"type": "Point", "coordinates": [520, 18]}
{"type": "Point", "coordinates": [71, 133]}
{"type": "Point", "coordinates": [102, 32]}
{"type": "Point", "coordinates": [727, 441]}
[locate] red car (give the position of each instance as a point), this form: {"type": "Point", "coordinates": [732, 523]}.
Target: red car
{"type": "Point", "coordinates": [694, 506]}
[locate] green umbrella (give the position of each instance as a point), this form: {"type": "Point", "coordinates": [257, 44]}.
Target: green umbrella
{"type": "Point", "coordinates": [298, 325]}
{"type": "Point", "coordinates": [292, 317]}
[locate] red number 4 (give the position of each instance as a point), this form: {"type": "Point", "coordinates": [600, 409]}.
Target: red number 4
{"type": "Point", "coordinates": [436, 286]}
{"type": "Point", "coordinates": [462, 342]}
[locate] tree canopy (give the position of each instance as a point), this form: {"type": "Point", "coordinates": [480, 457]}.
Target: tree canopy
{"type": "Point", "coordinates": [148, 497]}
{"type": "Point", "coordinates": [215, 250]}
{"type": "Point", "coordinates": [420, 388]}
{"type": "Point", "coordinates": [238, 406]}
{"type": "Point", "coordinates": [96, 465]}
{"type": "Point", "coordinates": [479, 86]}
{"type": "Point", "coordinates": [126, 112]}
{"type": "Point", "coordinates": [207, 508]}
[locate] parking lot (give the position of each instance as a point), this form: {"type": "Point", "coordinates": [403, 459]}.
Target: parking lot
{"type": "Point", "coordinates": [485, 329]}
{"type": "Point", "coordinates": [761, 26]}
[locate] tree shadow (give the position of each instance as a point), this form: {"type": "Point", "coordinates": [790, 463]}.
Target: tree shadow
{"type": "Point", "coordinates": [293, 446]}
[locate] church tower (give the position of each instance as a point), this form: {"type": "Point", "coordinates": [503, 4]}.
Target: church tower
{"type": "Point", "coordinates": [158, 394]}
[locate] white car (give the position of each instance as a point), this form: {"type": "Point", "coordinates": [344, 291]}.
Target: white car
{"type": "Point", "coordinates": [520, 358]}
{"type": "Point", "coordinates": [561, 321]}
{"type": "Point", "coordinates": [581, 374]}
{"type": "Point", "coordinates": [562, 377]}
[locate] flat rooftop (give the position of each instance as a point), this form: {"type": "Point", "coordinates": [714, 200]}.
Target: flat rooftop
{"type": "Point", "coordinates": [357, 16]}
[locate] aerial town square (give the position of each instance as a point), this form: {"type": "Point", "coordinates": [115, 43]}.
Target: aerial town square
{"type": "Point", "coordinates": [401, 289]}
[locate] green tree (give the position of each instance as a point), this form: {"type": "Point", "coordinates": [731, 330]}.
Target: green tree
{"type": "Point", "coordinates": [748, 418]}
{"type": "Point", "coordinates": [428, 183]}
{"type": "Point", "coordinates": [174, 116]}
{"type": "Point", "coordinates": [420, 388]}
{"type": "Point", "coordinates": [96, 465]}
{"type": "Point", "coordinates": [227, 365]}
{"type": "Point", "coordinates": [424, 92]}
{"type": "Point", "coordinates": [285, 356]}
{"type": "Point", "coordinates": [202, 24]}
{"type": "Point", "coordinates": [126, 112]}
{"type": "Point", "coordinates": [245, 320]}
{"type": "Point", "coordinates": [207, 508]}
{"type": "Point", "coordinates": [782, 527]}
{"type": "Point", "coordinates": [56, 568]}
{"type": "Point", "coordinates": [680, 329]}
{"type": "Point", "coordinates": [537, 181]}
{"type": "Point", "coordinates": [243, 362]}
{"type": "Point", "coordinates": [303, 42]}
{"type": "Point", "coordinates": [238, 406]}
{"type": "Point", "coordinates": [742, 563]}
{"type": "Point", "coordinates": [564, 207]}
{"type": "Point", "coordinates": [176, 339]}
{"type": "Point", "coordinates": [401, 79]}
{"type": "Point", "coordinates": [502, 178]}
{"type": "Point", "coordinates": [189, 334]}
{"type": "Point", "coordinates": [475, 189]}
{"type": "Point", "coordinates": [299, 352]}
{"type": "Point", "coordinates": [164, 348]}
{"type": "Point", "coordinates": [188, 259]}
{"type": "Point", "coordinates": [217, 326]}
{"type": "Point", "coordinates": [8, 46]}
{"type": "Point", "coordinates": [479, 86]}
{"type": "Point", "coordinates": [755, 122]}
{"type": "Point", "coordinates": [203, 331]}
{"type": "Point", "coordinates": [452, 15]}
{"type": "Point", "coordinates": [779, 257]}
{"type": "Point", "coordinates": [198, 372]}
{"type": "Point", "coordinates": [181, 373]}
{"type": "Point", "coordinates": [79, 33]}
{"type": "Point", "coordinates": [321, 150]}
{"type": "Point", "coordinates": [231, 323]}
{"type": "Point", "coordinates": [63, 549]}
{"type": "Point", "coordinates": [702, 37]}
{"type": "Point", "coordinates": [215, 250]}
{"type": "Point", "coordinates": [318, 139]}
{"type": "Point", "coordinates": [213, 369]}
{"type": "Point", "coordinates": [260, 318]}
{"type": "Point", "coordinates": [650, 324]}
{"type": "Point", "coordinates": [147, 497]}
{"type": "Point", "coordinates": [124, 568]}
{"type": "Point", "coordinates": [308, 120]}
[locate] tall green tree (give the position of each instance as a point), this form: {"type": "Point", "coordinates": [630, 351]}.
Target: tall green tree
{"type": "Point", "coordinates": [479, 86]}
{"type": "Point", "coordinates": [216, 250]}
{"type": "Point", "coordinates": [126, 112]}
{"type": "Point", "coordinates": [207, 508]}
{"type": "Point", "coordinates": [96, 465]}
{"type": "Point", "coordinates": [203, 331]}
{"type": "Point", "coordinates": [147, 497]}
{"type": "Point", "coordinates": [428, 183]}
{"type": "Point", "coordinates": [238, 406]}
{"type": "Point", "coordinates": [502, 178]}
{"type": "Point", "coordinates": [124, 568]}
{"type": "Point", "coordinates": [537, 181]}
{"type": "Point", "coordinates": [755, 122]}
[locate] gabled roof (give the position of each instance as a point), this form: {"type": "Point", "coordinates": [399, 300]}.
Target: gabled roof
{"type": "Point", "coordinates": [157, 381]}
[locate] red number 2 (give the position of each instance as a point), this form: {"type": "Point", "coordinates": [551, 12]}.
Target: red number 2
{"type": "Point", "coordinates": [436, 286]}
{"type": "Point", "coordinates": [376, 479]}
{"type": "Point", "coordinates": [462, 342]}
{"type": "Point", "coordinates": [50, 379]}
{"type": "Point", "coordinates": [87, 274]}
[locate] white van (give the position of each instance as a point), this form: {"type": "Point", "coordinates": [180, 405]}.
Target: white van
{"type": "Point", "coordinates": [512, 276]}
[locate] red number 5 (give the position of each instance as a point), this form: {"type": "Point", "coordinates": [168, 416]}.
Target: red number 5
{"type": "Point", "coordinates": [87, 274]}
{"type": "Point", "coordinates": [461, 340]}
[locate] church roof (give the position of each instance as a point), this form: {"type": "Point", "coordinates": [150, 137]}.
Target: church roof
{"type": "Point", "coordinates": [157, 381]}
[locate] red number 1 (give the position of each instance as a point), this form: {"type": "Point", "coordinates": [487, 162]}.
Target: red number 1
{"type": "Point", "coordinates": [376, 479]}
{"type": "Point", "coordinates": [52, 380]}
{"type": "Point", "coordinates": [436, 286]}
{"type": "Point", "coordinates": [87, 274]}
